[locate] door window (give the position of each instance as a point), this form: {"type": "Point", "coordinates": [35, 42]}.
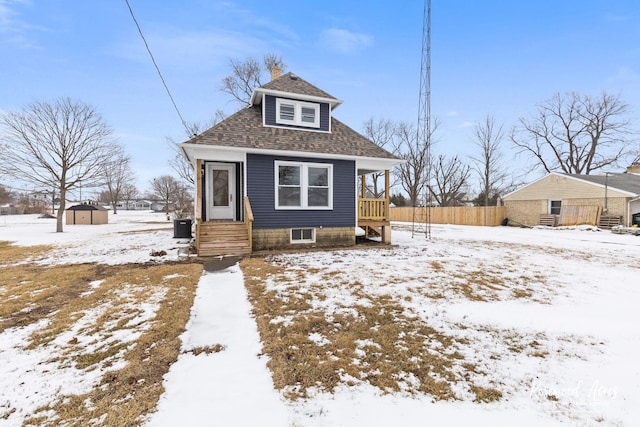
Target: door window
{"type": "Point", "coordinates": [220, 187]}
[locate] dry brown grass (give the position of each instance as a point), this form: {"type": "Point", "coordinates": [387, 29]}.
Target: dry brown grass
{"type": "Point", "coordinates": [31, 293]}
{"type": "Point", "coordinates": [127, 394]}
{"type": "Point", "coordinates": [63, 295]}
{"type": "Point", "coordinates": [207, 349]}
{"type": "Point", "coordinates": [486, 395]}
{"type": "Point", "coordinates": [10, 254]}
{"type": "Point", "coordinates": [380, 343]}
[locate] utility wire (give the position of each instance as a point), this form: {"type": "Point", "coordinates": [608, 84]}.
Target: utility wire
{"type": "Point", "coordinates": [158, 69]}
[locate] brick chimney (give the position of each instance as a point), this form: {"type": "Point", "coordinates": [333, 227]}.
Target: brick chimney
{"type": "Point", "coordinates": [275, 72]}
{"type": "Point", "coordinates": [634, 168]}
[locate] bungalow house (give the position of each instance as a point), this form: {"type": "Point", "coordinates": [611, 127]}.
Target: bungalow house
{"type": "Point", "coordinates": [282, 172]}
{"type": "Point", "coordinates": [135, 205]}
{"type": "Point", "coordinates": [617, 195]}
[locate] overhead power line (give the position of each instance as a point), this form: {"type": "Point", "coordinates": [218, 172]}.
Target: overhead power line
{"type": "Point", "coordinates": [158, 69]}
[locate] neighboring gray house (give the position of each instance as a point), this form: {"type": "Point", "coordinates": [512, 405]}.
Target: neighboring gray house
{"type": "Point", "coordinates": [282, 172]}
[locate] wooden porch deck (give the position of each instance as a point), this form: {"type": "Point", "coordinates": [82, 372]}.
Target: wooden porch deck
{"type": "Point", "coordinates": [374, 218]}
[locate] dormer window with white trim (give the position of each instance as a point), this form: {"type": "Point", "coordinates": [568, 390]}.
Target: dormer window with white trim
{"type": "Point", "coordinates": [297, 113]}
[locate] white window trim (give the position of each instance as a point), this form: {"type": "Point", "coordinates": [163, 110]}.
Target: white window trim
{"type": "Point", "coordinates": [297, 109]}
{"type": "Point", "coordinates": [304, 185]}
{"type": "Point", "coordinates": [302, 240]}
{"type": "Point", "coordinates": [549, 205]}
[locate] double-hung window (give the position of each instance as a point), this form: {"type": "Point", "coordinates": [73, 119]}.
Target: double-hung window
{"type": "Point", "coordinates": [297, 113]}
{"type": "Point", "coordinates": [554, 207]}
{"type": "Point", "coordinates": [303, 185]}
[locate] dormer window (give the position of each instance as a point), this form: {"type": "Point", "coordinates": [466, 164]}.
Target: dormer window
{"type": "Point", "coordinates": [297, 113]}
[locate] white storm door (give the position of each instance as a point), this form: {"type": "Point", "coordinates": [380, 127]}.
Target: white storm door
{"type": "Point", "coordinates": [221, 187]}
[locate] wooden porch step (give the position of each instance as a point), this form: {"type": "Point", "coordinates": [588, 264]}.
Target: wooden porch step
{"type": "Point", "coordinates": [223, 239]}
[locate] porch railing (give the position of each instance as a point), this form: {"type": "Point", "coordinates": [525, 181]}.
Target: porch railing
{"type": "Point", "coordinates": [373, 209]}
{"type": "Point", "coordinates": [248, 219]}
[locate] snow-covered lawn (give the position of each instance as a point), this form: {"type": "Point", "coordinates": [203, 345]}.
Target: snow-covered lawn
{"type": "Point", "coordinates": [546, 317]}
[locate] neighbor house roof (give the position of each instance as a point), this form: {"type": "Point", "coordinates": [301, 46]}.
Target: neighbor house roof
{"type": "Point", "coordinates": [245, 129]}
{"type": "Point", "coordinates": [621, 181]}
{"type": "Point", "coordinates": [625, 182]}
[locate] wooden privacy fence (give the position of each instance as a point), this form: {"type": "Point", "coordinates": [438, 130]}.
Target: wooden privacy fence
{"type": "Point", "coordinates": [460, 215]}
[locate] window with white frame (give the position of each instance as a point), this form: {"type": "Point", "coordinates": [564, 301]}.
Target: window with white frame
{"type": "Point", "coordinates": [303, 235]}
{"type": "Point", "coordinates": [298, 113]}
{"type": "Point", "coordinates": [302, 185]}
{"type": "Point", "coordinates": [554, 207]}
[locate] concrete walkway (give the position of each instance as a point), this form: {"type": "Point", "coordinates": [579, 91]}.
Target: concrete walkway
{"type": "Point", "coordinates": [229, 388]}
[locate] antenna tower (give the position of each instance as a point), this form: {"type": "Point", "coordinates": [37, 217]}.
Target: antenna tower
{"type": "Point", "coordinates": [424, 115]}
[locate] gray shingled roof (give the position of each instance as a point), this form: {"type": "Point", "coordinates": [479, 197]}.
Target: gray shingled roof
{"type": "Point", "coordinates": [620, 181]}
{"type": "Point", "coordinates": [244, 129]}
{"type": "Point", "coordinates": [291, 83]}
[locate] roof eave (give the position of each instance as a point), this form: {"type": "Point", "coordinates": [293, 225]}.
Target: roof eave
{"type": "Point", "coordinates": [257, 95]}
{"type": "Point", "coordinates": [187, 147]}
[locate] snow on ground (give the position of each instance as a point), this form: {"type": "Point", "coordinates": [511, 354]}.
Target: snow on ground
{"type": "Point", "coordinates": [579, 308]}
{"type": "Point", "coordinates": [581, 305]}
{"type": "Point", "coordinates": [130, 236]}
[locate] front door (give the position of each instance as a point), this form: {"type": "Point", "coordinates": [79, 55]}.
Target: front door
{"type": "Point", "coordinates": [221, 189]}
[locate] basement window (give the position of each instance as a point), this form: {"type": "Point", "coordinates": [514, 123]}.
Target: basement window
{"type": "Point", "coordinates": [303, 235]}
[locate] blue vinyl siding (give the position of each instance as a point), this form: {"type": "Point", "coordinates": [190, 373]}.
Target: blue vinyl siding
{"type": "Point", "coordinates": [270, 115]}
{"type": "Point", "coordinates": [261, 192]}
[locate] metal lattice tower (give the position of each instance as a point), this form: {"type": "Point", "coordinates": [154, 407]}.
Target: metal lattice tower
{"type": "Point", "coordinates": [424, 112]}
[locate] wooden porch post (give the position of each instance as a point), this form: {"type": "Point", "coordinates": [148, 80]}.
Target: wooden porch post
{"type": "Point", "coordinates": [198, 201]}
{"type": "Point", "coordinates": [363, 187]}
{"type": "Point", "coordinates": [198, 172]}
{"type": "Point", "coordinates": [386, 193]}
{"type": "Point", "coordinates": [386, 231]}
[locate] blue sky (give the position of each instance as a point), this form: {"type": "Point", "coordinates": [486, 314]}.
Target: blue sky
{"type": "Point", "coordinates": [488, 57]}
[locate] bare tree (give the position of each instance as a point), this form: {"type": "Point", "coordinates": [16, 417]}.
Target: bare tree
{"type": "Point", "coordinates": [178, 162]}
{"type": "Point", "coordinates": [5, 195]}
{"type": "Point", "coordinates": [184, 200]}
{"type": "Point", "coordinates": [449, 176]}
{"type": "Point", "coordinates": [576, 134]}
{"type": "Point", "coordinates": [247, 75]}
{"type": "Point", "coordinates": [488, 138]}
{"type": "Point", "coordinates": [381, 132]}
{"type": "Point", "coordinates": [58, 145]}
{"type": "Point", "coordinates": [117, 175]}
{"type": "Point", "coordinates": [129, 193]}
{"type": "Point", "coordinates": [271, 59]}
{"type": "Point", "coordinates": [167, 188]}
{"type": "Point", "coordinates": [413, 175]}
